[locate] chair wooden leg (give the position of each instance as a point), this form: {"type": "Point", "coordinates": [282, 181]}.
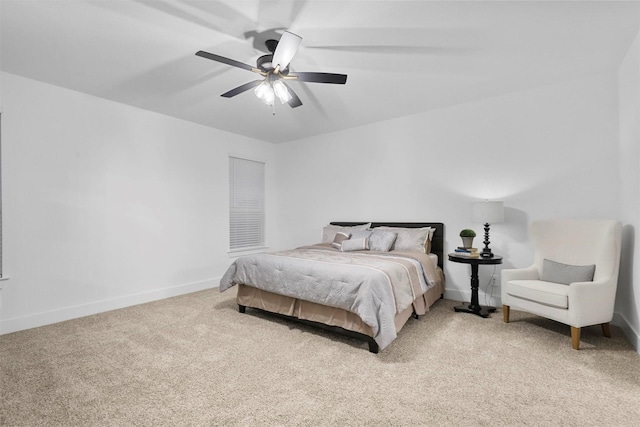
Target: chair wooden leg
{"type": "Point", "coordinates": [575, 337]}
{"type": "Point", "coordinates": [605, 330]}
{"type": "Point", "coordinates": [505, 313]}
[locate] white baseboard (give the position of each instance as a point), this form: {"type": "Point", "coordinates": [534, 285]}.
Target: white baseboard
{"type": "Point", "coordinates": [68, 313]}
{"type": "Point", "coordinates": [632, 335]}
{"type": "Point", "coordinates": [465, 296]}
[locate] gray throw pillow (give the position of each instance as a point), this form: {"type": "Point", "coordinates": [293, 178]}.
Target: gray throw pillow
{"type": "Point", "coordinates": [566, 274]}
{"type": "Point", "coordinates": [381, 240]}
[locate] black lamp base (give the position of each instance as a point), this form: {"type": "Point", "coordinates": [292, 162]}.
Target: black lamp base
{"type": "Point", "coordinates": [486, 252]}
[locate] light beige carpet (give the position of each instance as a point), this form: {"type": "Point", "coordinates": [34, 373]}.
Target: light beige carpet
{"type": "Point", "coordinates": [194, 360]}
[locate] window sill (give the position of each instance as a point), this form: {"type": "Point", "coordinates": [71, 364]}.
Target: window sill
{"type": "Point", "coordinates": [248, 251]}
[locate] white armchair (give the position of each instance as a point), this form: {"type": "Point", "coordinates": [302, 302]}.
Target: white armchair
{"type": "Point", "coordinates": [579, 303]}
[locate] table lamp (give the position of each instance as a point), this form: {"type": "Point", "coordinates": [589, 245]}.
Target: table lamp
{"type": "Point", "coordinates": [487, 213]}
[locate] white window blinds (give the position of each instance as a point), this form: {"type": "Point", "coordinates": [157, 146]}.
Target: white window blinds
{"type": "Point", "coordinates": [246, 204]}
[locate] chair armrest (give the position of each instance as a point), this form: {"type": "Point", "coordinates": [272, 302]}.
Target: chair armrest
{"type": "Point", "coordinates": [530, 273]}
{"type": "Point", "coordinates": [591, 303]}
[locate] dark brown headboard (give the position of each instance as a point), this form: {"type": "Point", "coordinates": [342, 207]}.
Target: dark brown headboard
{"type": "Point", "coordinates": [437, 243]}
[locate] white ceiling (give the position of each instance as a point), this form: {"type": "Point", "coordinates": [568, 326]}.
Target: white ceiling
{"type": "Point", "coordinates": [402, 57]}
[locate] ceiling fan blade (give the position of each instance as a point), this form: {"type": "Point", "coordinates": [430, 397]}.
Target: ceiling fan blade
{"type": "Point", "coordinates": [287, 47]}
{"type": "Point", "coordinates": [227, 61]}
{"type": "Point", "coordinates": [294, 101]}
{"type": "Point", "coordinates": [397, 50]}
{"type": "Point", "coordinates": [338, 79]}
{"type": "Point", "coordinates": [245, 87]}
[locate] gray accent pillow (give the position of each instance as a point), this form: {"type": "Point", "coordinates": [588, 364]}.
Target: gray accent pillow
{"type": "Point", "coordinates": [339, 238]}
{"type": "Point", "coordinates": [381, 240]}
{"type": "Point", "coordinates": [566, 274]}
{"type": "Point", "coordinates": [355, 245]}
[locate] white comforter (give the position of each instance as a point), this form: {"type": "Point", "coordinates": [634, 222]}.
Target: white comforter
{"type": "Point", "coordinates": [374, 285]}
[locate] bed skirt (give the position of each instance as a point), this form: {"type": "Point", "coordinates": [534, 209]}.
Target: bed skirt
{"type": "Point", "coordinates": [249, 296]}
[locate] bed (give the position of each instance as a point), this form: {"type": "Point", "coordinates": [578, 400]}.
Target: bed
{"type": "Point", "coordinates": [337, 285]}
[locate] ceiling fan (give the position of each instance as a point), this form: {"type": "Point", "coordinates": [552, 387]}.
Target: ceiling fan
{"type": "Point", "coordinates": [274, 68]}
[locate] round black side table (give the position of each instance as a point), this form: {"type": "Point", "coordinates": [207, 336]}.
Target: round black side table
{"type": "Point", "coordinates": [474, 306]}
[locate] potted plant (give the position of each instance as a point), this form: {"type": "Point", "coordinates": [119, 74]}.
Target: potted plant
{"type": "Point", "coordinates": [467, 237]}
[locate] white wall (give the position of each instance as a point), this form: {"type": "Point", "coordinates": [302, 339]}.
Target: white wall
{"type": "Point", "coordinates": [106, 205]}
{"type": "Point", "coordinates": [546, 152]}
{"type": "Point", "coordinates": [628, 297]}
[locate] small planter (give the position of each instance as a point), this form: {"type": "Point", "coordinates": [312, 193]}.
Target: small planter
{"type": "Point", "coordinates": [467, 242]}
{"type": "Point", "coordinates": [467, 236]}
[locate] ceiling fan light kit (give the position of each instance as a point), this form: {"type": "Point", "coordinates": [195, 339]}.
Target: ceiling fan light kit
{"type": "Point", "coordinates": [281, 92]}
{"type": "Point", "coordinates": [264, 91]}
{"type": "Point", "coordinates": [274, 68]}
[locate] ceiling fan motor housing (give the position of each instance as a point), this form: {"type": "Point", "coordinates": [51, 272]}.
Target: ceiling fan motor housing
{"type": "Point", "coordinates": [271, 45]}
{"type": "Point", "coordinates": [265, 63]}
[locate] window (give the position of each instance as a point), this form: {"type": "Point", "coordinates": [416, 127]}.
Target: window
{"type": "Point", "coordinates": [246, 204]}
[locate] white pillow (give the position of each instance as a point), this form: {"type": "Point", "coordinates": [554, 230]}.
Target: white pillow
{"type": "Point", "coordinates": [360, 234]}
{"type": "Point", "coordinates": [355, 245]}
{"type": "Point", "coordinates": [410, 239]}
{"type": "Point", "coordinates": [381, 240]}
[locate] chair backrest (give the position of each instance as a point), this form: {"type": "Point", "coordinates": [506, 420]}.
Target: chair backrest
{"type": "Point", "coordinates": [579, 242]}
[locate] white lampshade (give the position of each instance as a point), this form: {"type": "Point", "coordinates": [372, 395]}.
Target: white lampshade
{"type": "Point", "coordinates": [264, 91]}
{"type": "Point", "coordinates": [281, 91]}
{"type": "Point", "coordinates": [487, 212]}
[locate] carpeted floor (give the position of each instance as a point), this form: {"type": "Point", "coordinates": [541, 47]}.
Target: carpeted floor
{"type": "Point", "coordinates": [194, 360]}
